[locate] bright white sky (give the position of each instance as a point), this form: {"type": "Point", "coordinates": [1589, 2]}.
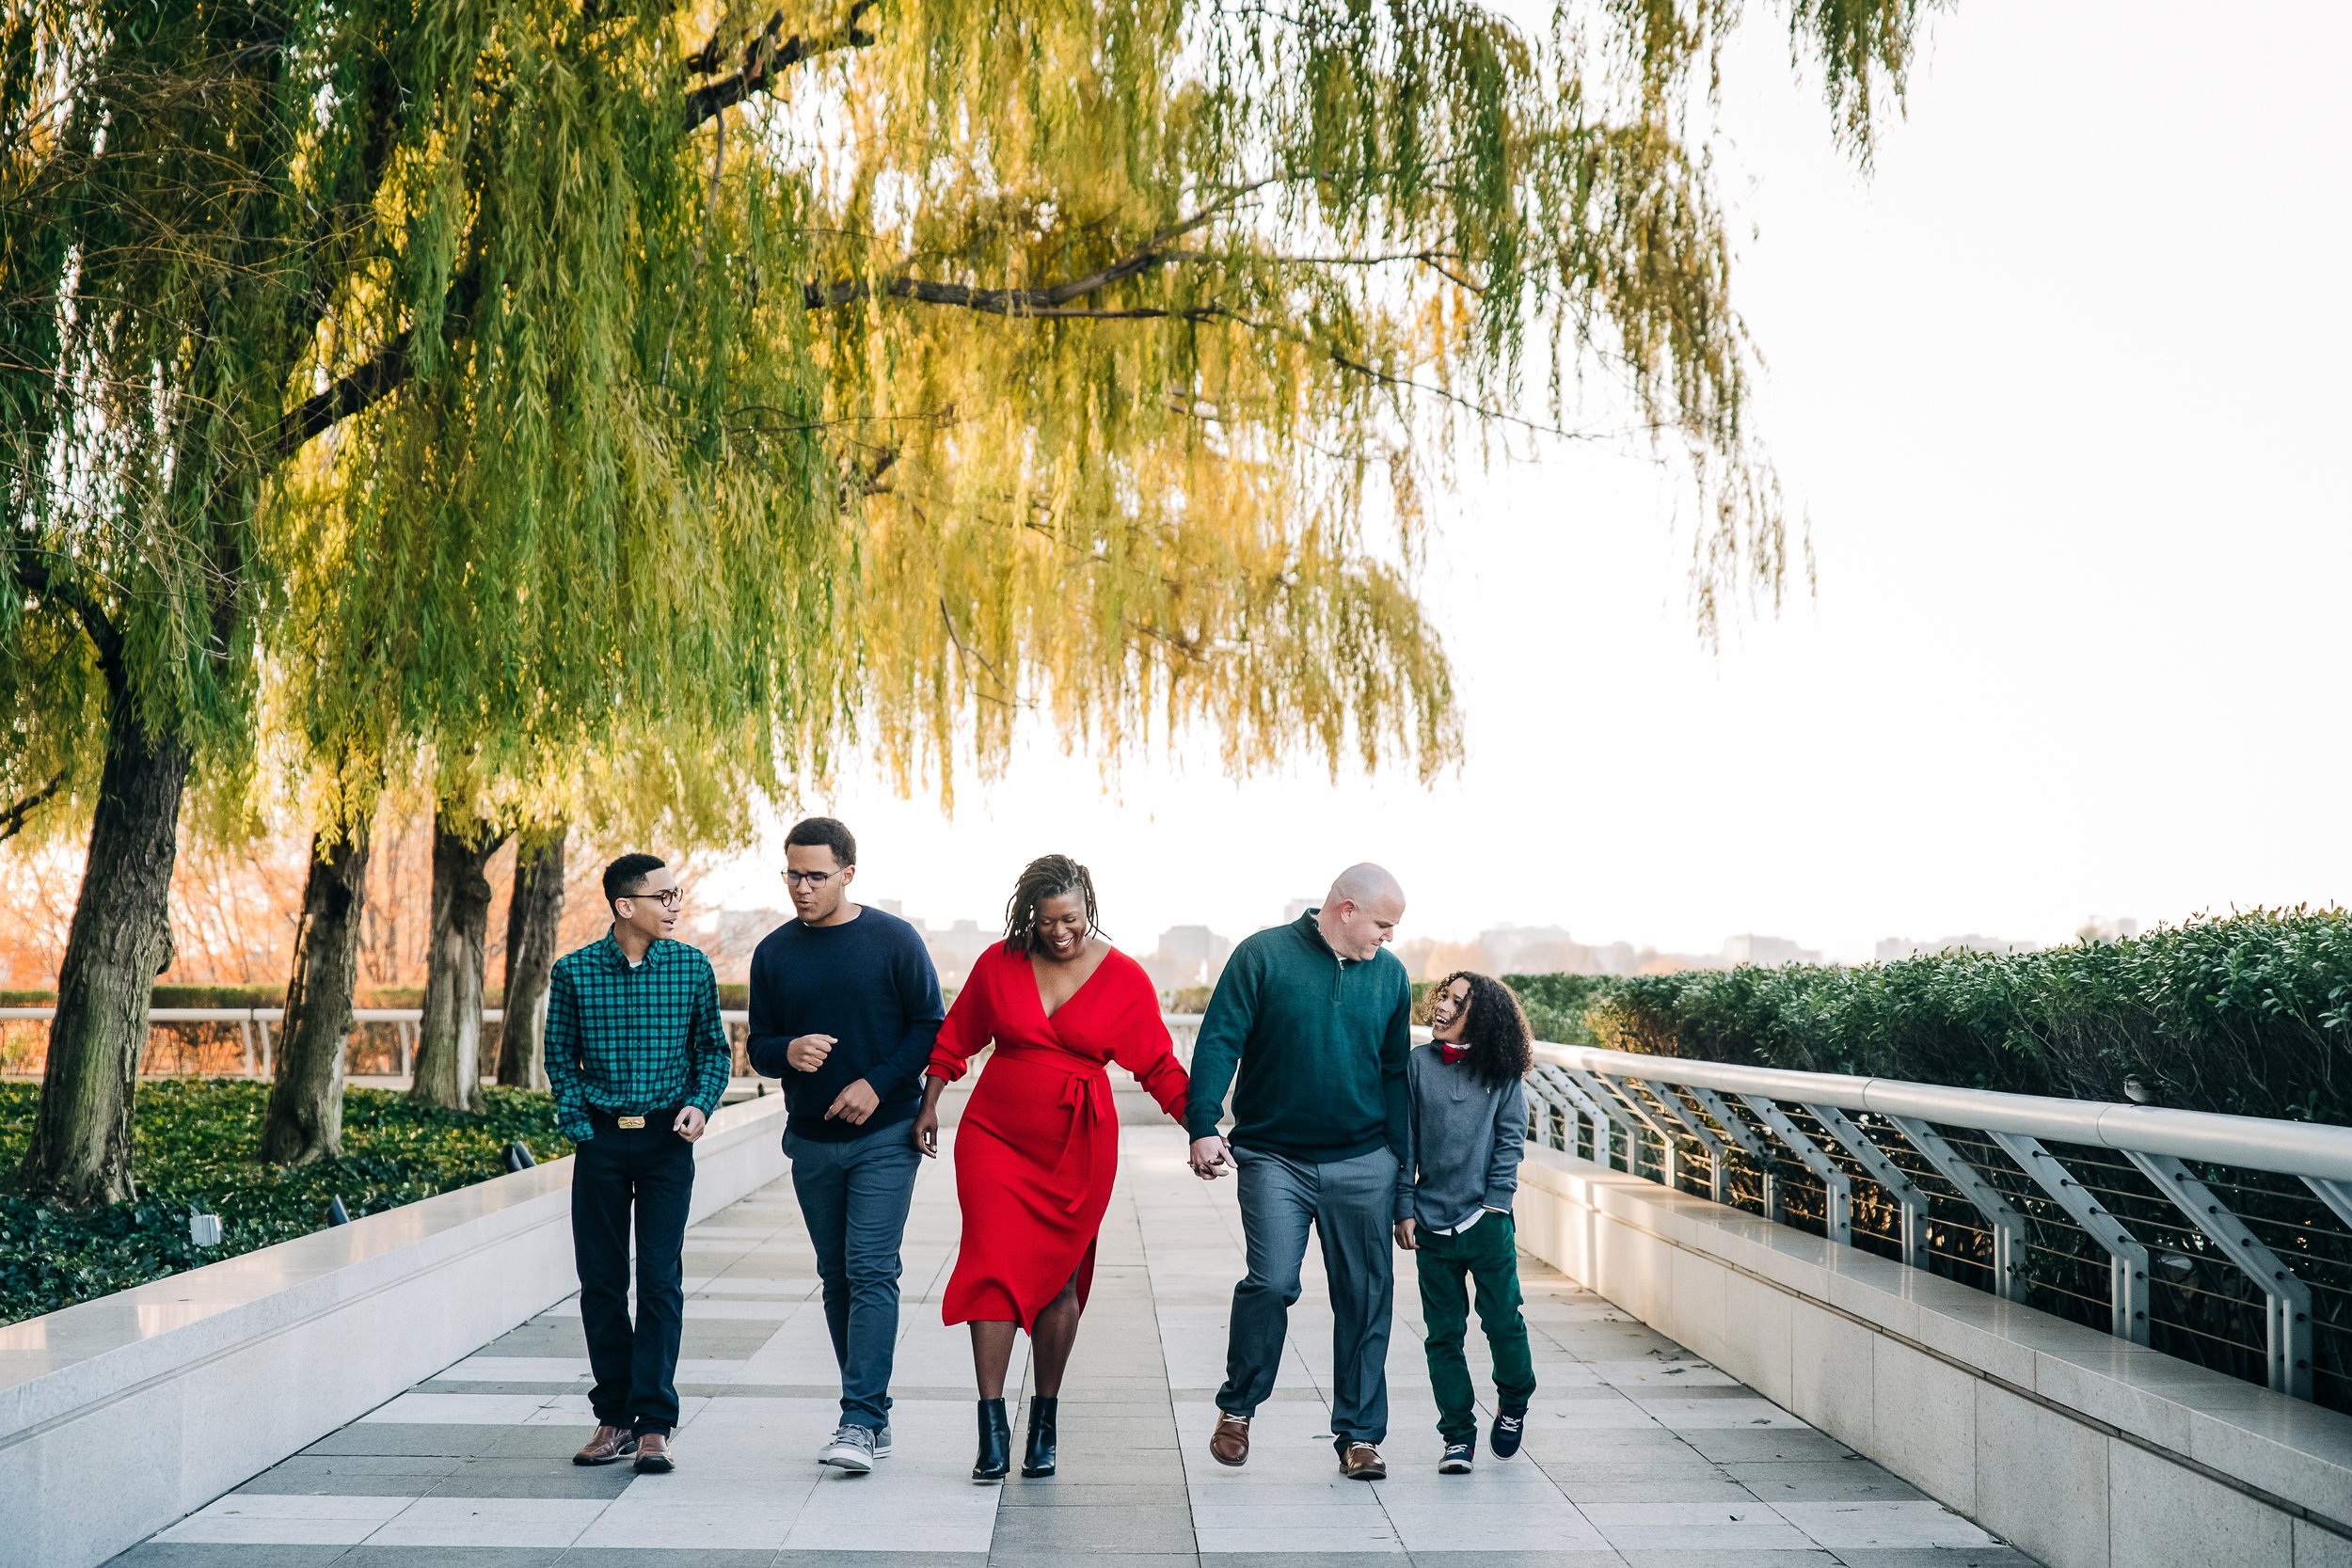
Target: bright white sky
{"type": "Point", "coordinates": [2062, 388]}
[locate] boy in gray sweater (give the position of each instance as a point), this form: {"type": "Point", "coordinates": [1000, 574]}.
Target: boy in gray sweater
{"type": "Point", "coordinates": [1467, 1130]}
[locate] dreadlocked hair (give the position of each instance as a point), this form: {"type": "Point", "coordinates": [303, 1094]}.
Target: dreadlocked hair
{"type": "Point", "coordinates": [1501, 1044]}
{"type": "Point", "coordinates": [1046, 877]}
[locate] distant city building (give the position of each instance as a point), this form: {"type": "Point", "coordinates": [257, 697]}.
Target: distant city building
{"type": "Point", "coordinates": [1768, 952]}
{"type": "Point", "coordinates": [955, 950]}
{"type": "Point", "coordinates": [2100, 929]}
{"type": "Point", "coordinates": [1186, 956]}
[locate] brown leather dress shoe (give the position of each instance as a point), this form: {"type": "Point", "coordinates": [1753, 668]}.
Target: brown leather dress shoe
{"type": "Point", "coordinates": [1361, 1461]}
{"type": "Point", "coordinates": [609, 1445]}
{"type": "Point", "coordinates": [654, 1457]}
{"type": "Point", "coordinates": [1229, 1442]}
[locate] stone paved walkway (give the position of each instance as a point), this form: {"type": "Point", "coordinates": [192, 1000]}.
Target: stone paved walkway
{"type": "Point", "coordinates": [1637, 1454]}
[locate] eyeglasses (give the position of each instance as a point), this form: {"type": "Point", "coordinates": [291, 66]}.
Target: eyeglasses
{"type": "Point", "coordinates": [809, 879]}
{"type": "Point", "coordinates": [669, 897]}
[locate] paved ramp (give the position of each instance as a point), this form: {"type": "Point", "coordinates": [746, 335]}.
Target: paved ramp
{"type": "Point", "coordinates": [1637, 1454]}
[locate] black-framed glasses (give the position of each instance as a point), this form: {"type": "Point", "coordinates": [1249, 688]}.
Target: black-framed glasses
{"type": "Point", "coordinates": [669, 897]}
{"type": "Point", "coordinates": [809, 879]}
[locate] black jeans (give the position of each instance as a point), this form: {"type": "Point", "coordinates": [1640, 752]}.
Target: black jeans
{"type": "Point", "coordinates": [651, 1169]}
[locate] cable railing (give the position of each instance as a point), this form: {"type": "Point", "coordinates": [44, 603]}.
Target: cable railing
{"type": "Point", "coordinates": [2223, 1239]}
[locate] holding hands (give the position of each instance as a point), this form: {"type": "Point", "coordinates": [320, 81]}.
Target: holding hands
{"type": "Point", "coordinates": [1211, 1157]}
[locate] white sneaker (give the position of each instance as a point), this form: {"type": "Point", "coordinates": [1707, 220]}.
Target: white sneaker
{"type": "Point", "coordinates": [851, 1450]}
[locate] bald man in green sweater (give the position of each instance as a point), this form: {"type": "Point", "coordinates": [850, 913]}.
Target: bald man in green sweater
{"type": "Point", "coordinates": [1318, 1022]}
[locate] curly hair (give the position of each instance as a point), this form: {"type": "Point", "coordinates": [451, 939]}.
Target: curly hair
{"type": "Point", "coordinates": [1501, 1044]}
{"type": "Point", "coordinates": [1046, 877]}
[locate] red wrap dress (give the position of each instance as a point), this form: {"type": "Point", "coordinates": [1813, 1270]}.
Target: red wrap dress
{"type": "Point", "coordinates": [1037, 1147]}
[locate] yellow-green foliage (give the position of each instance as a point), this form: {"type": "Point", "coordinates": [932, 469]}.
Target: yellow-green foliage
{"type": "Point", "coordinates": [529, 381]}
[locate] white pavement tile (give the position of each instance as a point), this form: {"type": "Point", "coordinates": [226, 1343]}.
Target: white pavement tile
{"type": "Point", "coordinates": [735, 1232]}
{"type": "Point", "coordinates": [491, 1522]}
{"type": "Point", "coordinates": [1717, 1414]}
{"type": "Point", "coordinates": [421, 1407]}
{"type": "Point", "coordinates": [258, 1519]}
{"type": "Point", "coordinates": [705, 1307]}
{"type": "Point", "coordinates": [752, 1285]}
{"type": "Point", "coordinates": [1233, 1516]}
{"type": "Point", "coordinates": [1372, 1538]}
{"type": "Point", "coordinates": [846, 1515]}
{"type": "Point", "coordinates": [1614, 1414]}
{"type": "Point", "coordinates": [1695, 1527]}
{"type": "Point", "coordinates": [1841, 1526]}
{"type": "Point", "coordinates": [733, 1522]}
{"type": "Point", "coordinates": [463, 1409]}
{"type": "Point", "coordinates": [561, 1369]}
{"type": "Point", "coordinates": [1654, 1374]}
{"type": "Point", "coordinates": [1493, 1527]}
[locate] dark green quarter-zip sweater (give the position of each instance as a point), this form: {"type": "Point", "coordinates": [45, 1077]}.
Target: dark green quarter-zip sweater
{"type": "Point", "coordinates": [1320, 1043]}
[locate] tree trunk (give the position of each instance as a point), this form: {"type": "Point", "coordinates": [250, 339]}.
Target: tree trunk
{"type": "Point", "coordinates": [533, 916]}
{"type": "Point", "coordinates": [119, 941]}
{"type": "Point", "coordinates": [306, 1102]}
{"type": "Point", "coordinates": [448, 1042]}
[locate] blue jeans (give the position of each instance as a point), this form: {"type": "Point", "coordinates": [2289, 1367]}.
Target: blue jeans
{"type": "Point", "coordinates": [854, 1199]}
{"type": "Point", "coordinates": [1349, 1203]}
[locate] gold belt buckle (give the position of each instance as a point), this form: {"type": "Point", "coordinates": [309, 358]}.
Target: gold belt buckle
{"type": "Point", "coordinates": [628, 1124]}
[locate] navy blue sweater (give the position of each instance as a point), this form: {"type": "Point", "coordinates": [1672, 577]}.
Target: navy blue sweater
{"type": "Point", "coordinates": [870, 985]}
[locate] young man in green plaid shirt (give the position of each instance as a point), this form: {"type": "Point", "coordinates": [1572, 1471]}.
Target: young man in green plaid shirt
{"type": "Point", "coordinates": [638, 1059]}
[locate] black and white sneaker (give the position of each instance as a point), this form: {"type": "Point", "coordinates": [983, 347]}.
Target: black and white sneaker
{"type": "Point", "coordinates": [1457, 1457]}
{"type": "Point", "coordinates": [1510, 1425]}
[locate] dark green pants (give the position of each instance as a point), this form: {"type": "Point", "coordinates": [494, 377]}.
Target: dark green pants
{"type": "Point", "coordinates": [1487, 1257]}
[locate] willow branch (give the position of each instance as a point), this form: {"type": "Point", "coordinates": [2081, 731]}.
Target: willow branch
{"type": "Point", "coordinates": [35, 575]}
{"type": "Point", "coordinates": [362, 387]}
{"type": "Point", "coordinates": [12, 820]}
{"type": "Point", "coordinates": [763, 57]}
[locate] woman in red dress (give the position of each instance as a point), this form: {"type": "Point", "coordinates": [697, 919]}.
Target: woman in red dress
{"type": "Point", "coordinates": [1038, 1145]}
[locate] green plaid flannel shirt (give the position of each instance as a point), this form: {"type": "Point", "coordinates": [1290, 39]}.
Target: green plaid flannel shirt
{"type": "Point", "coordinates": [629, 1042]}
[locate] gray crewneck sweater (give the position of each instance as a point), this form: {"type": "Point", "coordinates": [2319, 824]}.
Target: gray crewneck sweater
{"type": "Point", "coordinates": [1464, 1139]}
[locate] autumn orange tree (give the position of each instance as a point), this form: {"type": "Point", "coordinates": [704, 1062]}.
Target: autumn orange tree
{"type": "Point", "coordinates": [498, 381]}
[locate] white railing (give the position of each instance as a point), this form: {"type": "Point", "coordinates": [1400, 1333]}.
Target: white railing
{"type": "Point", "coordinates": [1913, 1144]}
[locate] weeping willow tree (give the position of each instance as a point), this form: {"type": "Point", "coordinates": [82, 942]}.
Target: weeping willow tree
{"type": "Point", "coordinates": [768, 377]}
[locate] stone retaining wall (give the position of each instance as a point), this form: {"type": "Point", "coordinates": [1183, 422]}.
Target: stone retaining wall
{"type": "Point", "coordinates": [119, 1415]}
{"type": "Point", "coordinates": [2081, 1448]}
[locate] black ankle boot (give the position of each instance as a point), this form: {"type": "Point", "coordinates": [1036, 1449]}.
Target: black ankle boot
{"type": "Point", "coordinates": [995, 1456]}
{"type": "Point", "coordinates": [1038, 1459]}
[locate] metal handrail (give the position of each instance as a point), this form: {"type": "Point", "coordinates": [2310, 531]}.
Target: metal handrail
{"type": "Point", "coordinates": [2304, 1149]}
{"type": "Point", "coordinates": [1577, 1084]}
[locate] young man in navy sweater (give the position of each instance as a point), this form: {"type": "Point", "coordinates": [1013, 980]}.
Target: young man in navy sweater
{"type": "Point", "coordinates": [845, 1006]}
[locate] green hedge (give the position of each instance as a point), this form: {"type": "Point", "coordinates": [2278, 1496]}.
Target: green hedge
{"type": "Point", "coordinates": [197, 1139]}
{"type": "Point", "coordinates": [2250, 1015]}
